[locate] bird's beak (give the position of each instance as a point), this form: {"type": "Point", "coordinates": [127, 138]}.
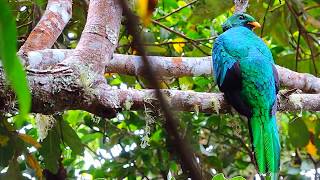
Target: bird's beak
{"type": "Point", "coordinates": [255, 24]}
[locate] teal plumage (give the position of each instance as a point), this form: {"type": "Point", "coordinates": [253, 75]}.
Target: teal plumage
{"type": "Point", "coordinates": [244, 71]}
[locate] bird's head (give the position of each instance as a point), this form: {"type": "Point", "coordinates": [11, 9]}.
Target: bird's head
{"type": "Point", "coordinates": [240, 19]}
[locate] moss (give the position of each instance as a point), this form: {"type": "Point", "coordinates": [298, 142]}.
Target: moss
{"type": "Point", "coordinates": [297, 102]}
{"type": "Point", "coordinates": [128, 103]}
{"type": "Point", "coordinates": [44, 123]}
{"type": "Point", "coordinates": [215, 104]}
{"type": "Point", "coordinates": [150, 120]}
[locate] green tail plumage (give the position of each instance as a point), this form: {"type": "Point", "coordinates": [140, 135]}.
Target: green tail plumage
{"type": "Point", "coordinates": [266, 143]}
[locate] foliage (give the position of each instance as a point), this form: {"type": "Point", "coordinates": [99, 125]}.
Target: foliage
{"type": "Point", "coordinates": [10, 61]}
{"type": "Point", "coordinates": [88, 146]}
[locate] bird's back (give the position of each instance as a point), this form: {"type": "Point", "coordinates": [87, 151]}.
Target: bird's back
{"type": "Point", "coordinates": [255, 60]}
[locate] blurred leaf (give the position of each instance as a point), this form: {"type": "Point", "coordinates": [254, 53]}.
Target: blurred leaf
{"type": "Point", "coordinates": [155, 50]}
{"type": "Point", "coordinates": [3, 140]}
{"type": "Point", "coordinates": [28, 139]}
{"type": "Point", "coordinates": [209, 9]}
{"type": "Point", "coordinates": [186, 83]}
{"type": "Point", "coordinates": [145, 9]}
{"type": "Point", "coordinates": [34, 164]}
{"type": "Point", "coordinates": [41, 3]}
{"type": "Point", "coordinates": [298, 133]}
{"type": "Point", "coordinates": [13, 172]}
{"type": "Point", "coordinates": [12, 66]}
{"type": "Point", "coordinates": [70, 137]}
{"type": "Point", "coordinates": [50, 151]}
{"type": "Point", "coordinates": [178, 47]}
{"type": "Point", "coordinates": [6, 153]}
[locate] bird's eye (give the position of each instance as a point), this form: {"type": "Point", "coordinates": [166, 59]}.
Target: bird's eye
{"type": "Point", "coordinates": [241, 17]}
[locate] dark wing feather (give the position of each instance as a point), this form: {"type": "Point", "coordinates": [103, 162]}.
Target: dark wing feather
{"type": "Point", "coordinates": [228, 77]}
{"type": "Point", "coordinates": [276, 78]}
{"type": "Point", "coordinates": [231, 87]}
{"type": "Point", "coordinates": [277, 84]}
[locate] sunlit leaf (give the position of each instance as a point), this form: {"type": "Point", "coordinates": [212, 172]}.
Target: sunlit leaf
{"type": "Point", "coordinates": [178, 47]}
{"type": "Point", "coordinates": [311, 149]}
{"type": "Point", "coordinates": [12, 66]}
{"type": "Point", "coordinates": [34, 164]}
{"type": "Point", "coordinates": [219, 176]}
{"type": "Point", "coordinates": [145, 9]}
{"type": "Point", "coordinates": [28, 139]}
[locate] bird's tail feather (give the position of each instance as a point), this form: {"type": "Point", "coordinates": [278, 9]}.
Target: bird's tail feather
{"type": "Point", "coordinates": [266, 143]}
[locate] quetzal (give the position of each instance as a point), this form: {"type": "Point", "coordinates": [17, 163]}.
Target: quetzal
{"type": "Point", "coordinates": [245, 72]}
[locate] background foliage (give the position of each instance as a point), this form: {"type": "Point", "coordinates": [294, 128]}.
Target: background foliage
{"type": "Point", "coordinates": [133, 145]}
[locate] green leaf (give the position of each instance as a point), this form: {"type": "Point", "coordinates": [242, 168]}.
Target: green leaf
{"type": "Point", "coordinates": [50, 150]}
{"type": "Point", "coordinates": [12, 66]}
{"type": "Point", "coordinates": [157, 136]}
{"type": "Point", "coordinates": [219, 176]}
{"type": "Point", "coordinates": [13, 171]}
{"type": "Point", "coordinates": [71, 138]}
{"type": "Point", "coordinates": [6, 153]}
{"type": "Point", "coordinates": [209, 9]}
{"type": "Point", "coordinates": [186, 83]}
{"type": "Point", "coordinates": [317, 135]}
{"type": "Point", "coordinates": [298, 133]}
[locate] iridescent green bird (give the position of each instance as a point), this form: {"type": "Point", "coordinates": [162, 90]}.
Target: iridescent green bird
{"type": "Point", "coordinates": [245, 72]}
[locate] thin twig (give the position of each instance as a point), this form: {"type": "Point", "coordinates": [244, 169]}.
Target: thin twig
{"type": "Point", "coordinates": [304, 34]}
{"type": "Point", "coordinates": [187, 157]}
{"type": "Point", "coordinates": [297, 50]}
{"type": "Point", "coordinates": [25, 24]}
{"type": "Point", "coordinates": [171, 42]}
{"type": "Point", "coordinates": [194, 43]}
{"type": "Point", "coordinates": [264, 18]}
{"type": "Point", "coordinates": [176, 10]}
{"type": "Point", "coordinates": [316, 175]}
{"type": "Point", "coordinates": [311, 7]}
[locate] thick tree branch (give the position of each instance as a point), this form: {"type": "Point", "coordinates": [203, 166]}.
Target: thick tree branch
{"type": "Point", "coordinates": [170, 67]}
{"type": "Point", "coordinates": [53, 21]}
{"type": "Point", "coordinates": [58, 91]}
{"type": "Point", "coordinates": [100, 35]}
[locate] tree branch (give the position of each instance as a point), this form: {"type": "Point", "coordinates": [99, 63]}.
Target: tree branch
{"type": "Point", "coordinates": [170, 67]}
{"type": "Point", "coordinates": [100, 35]}
{"type": "Point", "coordinates": [177, 10]}
{"type": "Point", "coordinates": [56, 92]}
{"type": "Point", "coordinates": [240, 6]}
{"type": "Point", "coordinates": [52, 23]}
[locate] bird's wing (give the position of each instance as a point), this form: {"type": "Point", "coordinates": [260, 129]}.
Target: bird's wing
{"type": "Point", "coordinates": [222, 61]}
{"type": "Point", "coordinates": [228, 77]}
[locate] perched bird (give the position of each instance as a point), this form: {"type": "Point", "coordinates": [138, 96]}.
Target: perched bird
{"type": "Point", "coordinates": [245, 72]}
